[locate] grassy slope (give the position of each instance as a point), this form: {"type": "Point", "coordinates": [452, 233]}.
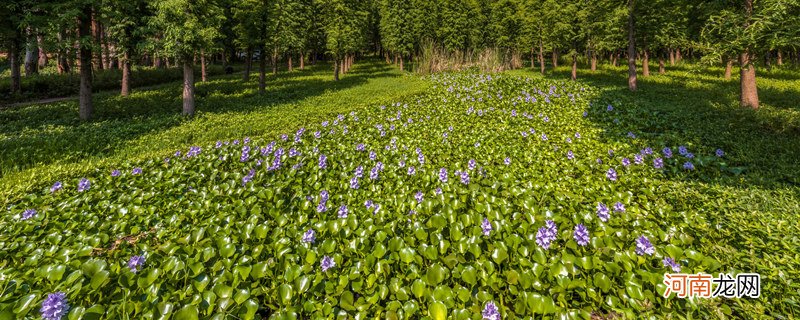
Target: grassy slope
{"type": "Point", "coordinates": [42, 143]}
{"type": "Point", "coordinates": [753, 226]}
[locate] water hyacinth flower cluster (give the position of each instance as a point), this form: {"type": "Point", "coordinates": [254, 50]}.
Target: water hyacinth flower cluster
{"type": "Point", "coordinates": [55, 306]}
{"type": "Point", "coordinates": [135, 263]}
{"type": "Point", "coordinates": [547, 234]}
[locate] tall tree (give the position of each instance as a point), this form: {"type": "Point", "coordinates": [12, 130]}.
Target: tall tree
{"type": "Point", "coordinates": [631, 47]}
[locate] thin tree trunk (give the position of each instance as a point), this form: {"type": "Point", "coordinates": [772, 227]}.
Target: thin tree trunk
{"type": "Point", "coordinates": [661, 69]}
{"type": "Point", "coordinates": [302, 60]}
{"type": "Point", "coordinates": [728, 67]}
{"type": "Point", "coordinates": [31, 53]}
{"type": "Point", "coordinates": [248, 64]}
{"type": "Point", "coordinates": [748, 96]}
{"type": "Point", "coordinates": [631, 49]}
{"type": "Point", "coordinates": [645, 63]}
{"type": "Point", "coordinates": [275, 61]}
{"type": "Point", "coordinates": [541, 57]}
{"type": "Point", "coordinates": [594, 61]}
{"type": "Point", "coordinates": [574, 67]}
{"type": "Point", "coordinates": [203, 70]}
{"type": "Point", "coordinates": [678, 56]}
{"type": "Point", "coordinates": [188, 87]}
{"type": "Point", "coordinates": [126, 74]}
{"type": "Point", "coordinates": [671, 57]}
{"type": "Point", "coordinates": [108, 61]}
{"type": "Point", "coordinates": [262, 74]}
{"type": "Point", "coordinates": [780, 58]}
{"type": "Point", "coordinates": [13, 58]}
{"type": "Point", "coordinates": [335, 69]}
{"type": "Point", "coordinates": [533, 63]}
{"type": "Point", "coordinates": [85, 97]}
{"type": "Point", "coordinates": [555, 58]}
{"type": "Point", "coordinates": [768, 60]}
{"type": "Point", "coordinates": [42, 53]}
{"type": "Point", "coordinates": [290, 63]}
{"type": "Point", "coordinates": [98, 55]}
{"type": "Point", "coordinates": [402, 68]}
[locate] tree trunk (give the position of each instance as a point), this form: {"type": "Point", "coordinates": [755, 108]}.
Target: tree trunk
{"type": "Point", "coordinates": [661, 63]}
{"type": "Point", "coordinates": [631, 49]}
{"type": "Point", "coordinates": [645, 63]}
{"type": "Point", "coordinates": [780, 58]}
{"type": "Point", "coordinates": [615, 62]}
{"type": "Point", "coordinates": [275, 61]}
{"type": "Point", "coordinates": [555, 58]}
{"type": "Point", "coordinates": [31, 54]}
{"type": "Point", "coordinates": [574, 67]}
{"type": "Point", "coordinates": [98, 55]}
{"type": "Point", "coordinates": [671, 57]}
{"type": "Point", "coordinates": [678, 56]}
{"type": "Point", "coordinates": [335, 69]}
{"type": "Point", "coordinates": [290, 63]}
{"type": "Point", "coordinates": [302, 60]}
{"type": "Point", "coordinates": [728, 67]}
{"type": "Point", "coordinates": [749, 90]}
{"type": "Point", "coordinates": [188, 87]}
{"type": "Point", "coordinates": [85, 96]}
{"type": "Point", "coordinates": [108, 61]}
{"type": "Point", "coordinates": [386, 56]}
{"type": "Point", "coordinates": [402, 68]}
{"type": "Point", "coordinates": [541, 57]}
{"type": "Point", "coordinates": [126, 74]}
{"type": "Point", "coordinates": [533, 63]}
{"type": "Point", "coordinates": [768, 60]}
{"type": "Point", "coordinates": [248, 64]}
{"type": "Point", "coordinates": [594, 61]}
{"type": "Point", "coordinates": [42, 53]}
{"type": "Point", "coordinates": [203, 70]}
{"type": "Point", "coordinates": [13, 58]}
{"type": "Point", "coordinates": [262, 74]}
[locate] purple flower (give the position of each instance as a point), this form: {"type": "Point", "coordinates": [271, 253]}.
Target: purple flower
{"type": "Point", "coordinates": [343, 211]}
{"type": "Point", "coordinates": [368, 204]}
{"type": "Point", "coordinates": [27, 214]}
{"type": "Point", "coordinates": [667, 152]}
{"type": "Point", "coordinates": [245, 154]}
{"type": "Point", "coordinates": [610, 152]}
{"type": "Point", "coordinates": [643, 246]}
{"type": "Point", "coordinates": [115, 173]}
{"type": "Point", "coordinates": [193, 151]}
{"type": "Point", "coordinates": [284, 137]}
{"type": "Point", "coordinates": [372, 155]}
{"type": "Point", "coordinates": [682, 150]}
{"type": "Point", "coordinates": [354, 183]}
{"type": "Point", "coordinates": [631, 135]}
{"type": "Point", "coordinates": [177, 153]}
{"type": "Point", "coordinates": [490, 312]}
{"type": "Point", "coordinates": [647, 151]}
{"type": "Point", "coordinates": [638, 159]}
{"type": "Point", "coordinates": [611, 174]}
{"type": "Point", "coordinates": [323, 161]}
{"type": "Point", "coordinates": [626, 162]}
{"type": "Point", "coordinates": [359, 172]}
{"type": "Point", "coordinates": [471, 164]}
{"type": "Point", "coordinates": [218, 144]}
{"type": "Point", "coordinates": [570, 155]}
{"type": "Point", "coordinates": [609, 108]}
{"type": "Point", "coordinates": [327, 263]}
{"type": "Point", "coordinates": [602, 212]}
{"type": "Point", "coordinates": [671, 263]}
{"type": "Point", "coordinates": [688, 165]}
{"type": "Point", "coordinates": [544, 137]}
{"type": "Point", "coordinates": [507, 161]}
{"type": "Point", "coordinates": [318, 134]}
{"type": "Point", "coordinates": [419, 196]}
{"type": "Point", "coordinates": [137, 171]}
{"type": "Point", "coordinates": [658, 163]}
{"type": "Point", "coordinates": [581, 235]}
{"type": "Point", "coordinates": [438, 191]}
{"type": "Point", "coordinates": [411, 170]}
{"type": "Point", "coordinates": [486, 226]}
{"type": "Point", "coordinates": [577, 135]}
{"type": "Point", "coordinates": [373, 173]}
{"type": "Point", "coordinates": [543, 238]}
{"type": "Point", "coordinates": [55, 306]}
{"type": "Point", "coordinates": [249, 177]}
{"type": "Point", "coordinates": [56, 186]}
{"type": "Point", "coordinates": [465, 177]}
{"type": "Point", "coordinates": [135, 263]}
{"type": "Point", "coordinates": [689, 155]}
{"type": "Point", "coordinates": [443, 175]}
{"type": "Point", "coordinates": [719, 154]}
{"type": "Point", "coordinates": [310, 236]}
{"type": "Point", "coordinates": [293, 152]}
{"type": "Point", "coordinates": [619, 207]}
{"type": "Point", "coordinates": [84, 185]}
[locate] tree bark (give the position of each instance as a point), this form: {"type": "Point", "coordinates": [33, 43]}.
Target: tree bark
{"type": "Point", "coordinates": [275, 61]}
{"type": "Point", "coordinates": [98, 55]}
{"type": "Point", "coordinates": [290, 63]}
{"type": "Point", "coordinates": [671, 57]}
{"type": "Point", "coordinates": [85, 97]}
{"type": "Point", "coordinates": [555, 58]}
{"type": "Point", "coordinates": [335, 69]}
{"type": "Point", "coordinates": [533, 63]}
{"type": "Point", "coordinates": [13, 59]}
{"type": "Point", "coordinates": [768, 60]}
{"type": "Point", "coordinates": [678, 56]}
{"type": "Point", "coordinates": [248, 64]}
{"type": "Point", "coordinates": [728, 67]}
{"type": "Point", "coordinates": [780, 58]}
{"type": "Point", "coordinates": [631, 49]}
{"type": "Point", "coordinates": [31, 53]}
{"type": "Point", "coordinates": [661, 69]}
{"type": "Point", "coordinates": [188, 87]}
{"type": "Point", "coordinates": [541, 57]}
{"type": "Point", "coordinates": [574, 67]}
{"type": "Point", "coordinates": [594, 61]}
{"type": "Point", "coordinates": [42, 53]}
{"type": "Point", "coordinates": [748, 96]}
{"type": "Point", "coordinates": [302, 60]}
{"type": "Point", "coordinates": [203, 70]}
{"type": "Point", "coordinates": [402, 68]}
{"type": "Point", "coordinates": [262, 74]}
{"type": "Point", "coordinates": [645, 63]}
{"type": "Point", "coordinates": [126, 74]}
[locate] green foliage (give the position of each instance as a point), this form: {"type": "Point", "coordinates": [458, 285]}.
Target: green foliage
{"type": "Point", "coordinates": [187, 25]}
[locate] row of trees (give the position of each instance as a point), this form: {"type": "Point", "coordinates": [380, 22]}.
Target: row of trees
{"type": "Point", "coordinates": [96, 34]}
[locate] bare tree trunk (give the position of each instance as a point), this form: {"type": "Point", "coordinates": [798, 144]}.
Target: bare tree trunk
{"type": "Point", "coordinates": [678, 56]}
{"type": "Point", "coordinates": [302, 60]}
{"type": "Point", "coordinates": [13, 58]}
{"type": "Point", "coordinates": [262, 74]}
{"type": "Point", "coordinates": [290, 63]}
{"type": "Point", "coordinates": [31, 53]}
{"type": "Point", "coordinates": [98, 55]}
{"type": "Point", "coordinates": [335, 69]}
{"type": "Point", "coordinates": [574, 67]}
{"type": "Point", "coordinates": [748, 97]}
{"type": "Point", "coordinates": [541, 57]}
{"type": "Point", "coordinates": [555, 58]}
{"type": "Point", "coordinates": [248, 64]}
{"type": "Point", "coordinates": [126, 74]}
{"type": "Point", "coordinates": [768, 60]}
{"type": "Point", "coordinates": [275, 61]}
{"type": "Point", "coordinates": [615, 62]}
{"type": "Point", "coordinates": [203, 70]}
{"type": "Point", "coordinates": [780, 58]}
{"type": "Point", "coordinates": [85, 97]}
{"type": "Point", "coordinates": [386, 56]}
{"type": "Point", "coordinates": [108, 61]}
{"type": "Point", "coordinates": [631, 49]}
{"type": "Point", "coordinates": [188, 87]}
{"type": "Point", "coordinates": [671, 57]}
{"type": "Point", "coordinates": [594, 61]}
{"type": "Point", "coordinates": [661, 63]}
{"type": "Point", "coordinates": [728, 67]}
{"type": "Point", "coordinates": [42, 53]}
{"type": "Point", "coordinates": [645, 63]}
{"type": "Point", "coordinates": [533, 64]}
{"type": "Point", "coordinates": [402, 68]}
